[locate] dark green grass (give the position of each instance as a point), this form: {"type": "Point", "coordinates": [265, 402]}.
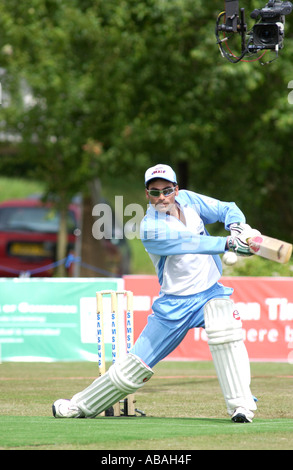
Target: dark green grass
{"type": "Point", "coordinates": [147, 433]}
{"type": "Point", "coordinates": [184, 406]}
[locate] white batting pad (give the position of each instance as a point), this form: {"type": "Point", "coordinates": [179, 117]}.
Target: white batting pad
{"type": "Point", "coordinates": [123, 378]}
{"type": "Point", "coordinates": [222, 322]}
{"type": "Point", "coordinates": [224, 331]}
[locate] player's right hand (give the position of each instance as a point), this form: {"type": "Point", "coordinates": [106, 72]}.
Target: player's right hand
{"type": "Point", "coordinates": [239, 244]}
{"type": "Point", "coordinates": [237, 228]}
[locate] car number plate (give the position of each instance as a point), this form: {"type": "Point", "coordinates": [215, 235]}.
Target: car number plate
{"type": "Point", "coordinates": [28, 249]}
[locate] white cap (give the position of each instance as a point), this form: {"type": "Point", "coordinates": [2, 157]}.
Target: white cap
{"type": "Point", "coordinates": [164, 172]}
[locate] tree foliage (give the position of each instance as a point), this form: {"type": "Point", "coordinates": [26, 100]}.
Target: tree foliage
{"type": "Point", "coordinates": [117, 86]}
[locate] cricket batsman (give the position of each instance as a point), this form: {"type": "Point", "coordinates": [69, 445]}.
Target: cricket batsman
{"type": "Point", "coordinates": [188, 266]}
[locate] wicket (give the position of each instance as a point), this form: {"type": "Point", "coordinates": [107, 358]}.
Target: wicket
{"type": "Point", "coordinates": [129, 408]}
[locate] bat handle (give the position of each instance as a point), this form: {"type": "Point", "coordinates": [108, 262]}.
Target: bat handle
{"type": "Point", "coordinates": [254, 243]}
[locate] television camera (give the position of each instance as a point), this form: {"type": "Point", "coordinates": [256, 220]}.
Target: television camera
{"type": "Point", "coordinates": [266, 34]}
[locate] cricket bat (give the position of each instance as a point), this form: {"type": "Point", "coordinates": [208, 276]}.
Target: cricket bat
{"type": "Point", "coordinates": [270, 248]}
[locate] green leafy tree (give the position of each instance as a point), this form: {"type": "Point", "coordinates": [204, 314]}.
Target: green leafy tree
{"type": "Point", "coordinates": [116, 86]}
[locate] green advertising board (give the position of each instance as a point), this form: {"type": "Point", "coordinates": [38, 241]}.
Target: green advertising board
{"type": "Point", "coordinates": [51, 319]}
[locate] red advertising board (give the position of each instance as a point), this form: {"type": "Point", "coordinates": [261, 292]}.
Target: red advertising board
{"type": "Point", "coordinates": [265, 306]}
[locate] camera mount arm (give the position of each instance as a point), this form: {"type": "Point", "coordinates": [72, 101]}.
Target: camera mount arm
{"type": "Point", "coordinates": [232, 16]}
{"type": "Point", "coordinates": [233, 24]}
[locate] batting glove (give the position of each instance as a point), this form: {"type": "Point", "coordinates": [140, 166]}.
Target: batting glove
{"type": "Point", "coordinates": [238, 244]}
{"type": "Point", "coordinates": [237, 228]}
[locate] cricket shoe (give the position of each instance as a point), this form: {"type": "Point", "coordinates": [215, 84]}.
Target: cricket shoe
{"type": "Point", "coordinates": [241, 415]}
{"type": "Point", "coordinates": [66, 409]}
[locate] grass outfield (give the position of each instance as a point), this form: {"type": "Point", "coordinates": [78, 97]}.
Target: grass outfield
{"type": "Point", "coordinates": [183, 404]}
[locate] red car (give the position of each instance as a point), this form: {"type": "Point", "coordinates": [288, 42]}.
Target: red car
{"type": "Point", "coordinates": [28, 235]}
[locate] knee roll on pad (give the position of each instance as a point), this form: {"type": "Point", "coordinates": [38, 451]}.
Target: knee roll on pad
{"type": "Point", "coordinates": [222, 322]}
{"type": "Point", "coordinates": [124, 377]}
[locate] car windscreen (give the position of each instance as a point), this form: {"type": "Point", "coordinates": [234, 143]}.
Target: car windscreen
{"type": "Point", "coordinates": [33, 219]}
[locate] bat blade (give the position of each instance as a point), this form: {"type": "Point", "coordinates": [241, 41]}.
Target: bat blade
{"type": "Point", "coordinates": [270, 248]}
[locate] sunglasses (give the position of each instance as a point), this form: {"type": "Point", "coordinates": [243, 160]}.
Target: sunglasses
{"type": "Point", "coordinates": [157, 192]}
